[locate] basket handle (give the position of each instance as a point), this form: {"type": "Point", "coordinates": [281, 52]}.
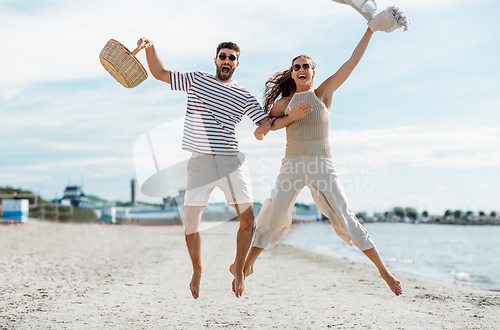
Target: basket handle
{"type": "Point", "coordinates": [135, 51]}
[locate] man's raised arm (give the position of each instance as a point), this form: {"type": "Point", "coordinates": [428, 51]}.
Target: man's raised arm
{"type": "Point", "coordinates": [154, 62]}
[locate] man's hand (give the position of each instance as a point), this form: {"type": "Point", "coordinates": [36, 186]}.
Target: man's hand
{"type": "Point", "coordinates": [147, 43]}
{"type": "Point", "coordinates": [300, 111]}
{"type": "Point", "coordinates": [264, 128]}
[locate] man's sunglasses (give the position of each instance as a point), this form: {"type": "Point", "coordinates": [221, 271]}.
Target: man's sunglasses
{"type": "Point", "coordinates": [305, 66]}
{"type": "Point", "coordinates": [222, 57]}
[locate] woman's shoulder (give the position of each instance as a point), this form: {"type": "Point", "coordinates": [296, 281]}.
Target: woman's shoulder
{"type": "Point", "coordinates": [279, 107]}
{"type": "Point", "coordinates": [284, 100]}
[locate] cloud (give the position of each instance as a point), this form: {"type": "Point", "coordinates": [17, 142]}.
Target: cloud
{"type": "Point", "coordinates": [84, 164]}
{"type": "Point", "coordinates": [469, 148]}
{"type": "Point", "coordinates": [448, 6]}
{"type": "Point", "coordinates": [479, 187]}
{"type": "Point", "coordinates": [423, 98]}
{"type": "Point", "coordinates": [464, 148]}
{"type": "Point", "coordinates": [61, 40]}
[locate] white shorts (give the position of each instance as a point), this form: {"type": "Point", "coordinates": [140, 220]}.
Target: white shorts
{"type": "Point", "coordinates": [205, 172]}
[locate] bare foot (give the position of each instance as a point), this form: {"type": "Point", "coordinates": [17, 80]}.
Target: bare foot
{"type": "Point", "coordinates": [247, 271]}
{"type": "Point", "coordinates": [393, 283]}
{"type": "Point", "coordinates": [195, 284]}
{"type": "Point", "coordinates": [238, 282]}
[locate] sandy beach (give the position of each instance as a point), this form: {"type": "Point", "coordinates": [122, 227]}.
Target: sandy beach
{"type": "Point", "coordinates": [89, 276]}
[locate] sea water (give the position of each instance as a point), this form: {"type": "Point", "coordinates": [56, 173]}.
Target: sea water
{"type": "Point", "coordinates": [463, 255]}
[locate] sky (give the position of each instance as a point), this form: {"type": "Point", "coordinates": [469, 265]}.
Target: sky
{"type": "Point", "coordinates": [415, 125]}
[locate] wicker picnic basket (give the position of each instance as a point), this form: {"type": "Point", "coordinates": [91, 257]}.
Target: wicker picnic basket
{"type": "Point", "coordinates": [122, 64]}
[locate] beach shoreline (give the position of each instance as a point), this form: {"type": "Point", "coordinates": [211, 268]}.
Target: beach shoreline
{"type": "Point", "coordinates": [82, 276]}
{"type": "Point", "coordinates": [442, 253]}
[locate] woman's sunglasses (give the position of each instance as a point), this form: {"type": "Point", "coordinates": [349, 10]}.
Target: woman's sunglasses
{"type": "Point", "coordinates": [305, 66]}
{"type": "Point", "coordinates": [222, 57]}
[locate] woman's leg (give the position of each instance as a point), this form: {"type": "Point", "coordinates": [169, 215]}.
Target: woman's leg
{"type": "Point", "coordinates": [250, 261]}
{"type": "Point", "coordinates": [329, 196]}
{"type": "Point", "coordinates": [391, 281]}
{"type": "Point", "coordinates": [275, 216]}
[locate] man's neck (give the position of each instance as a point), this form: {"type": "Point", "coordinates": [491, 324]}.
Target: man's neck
{"type": "Point", "coordinates": [224, 81]}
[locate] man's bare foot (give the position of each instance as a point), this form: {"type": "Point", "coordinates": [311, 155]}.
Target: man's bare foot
{"type": "Point", "coordinates": [392, 282]}
{"type": "Point", "coordinates": [195, 284]}
{"type": "Point", "coordinates": [238, 282]}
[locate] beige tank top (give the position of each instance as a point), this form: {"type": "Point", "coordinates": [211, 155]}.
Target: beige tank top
{"type": "Point", "coordinates": [308, 136]}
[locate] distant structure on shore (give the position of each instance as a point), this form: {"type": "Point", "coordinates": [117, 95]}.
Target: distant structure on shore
{"type": "Point", "coordinates": [457, 217]}
{"type": "Point", "coordinates": [306, 213]}
{"type": "Point", "coordinates": [309, 213]}
{"type": "Point", "coordinates": [73, 195]}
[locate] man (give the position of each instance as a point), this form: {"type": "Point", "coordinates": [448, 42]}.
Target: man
{"type": "Point", "coordinates": [215, 105]}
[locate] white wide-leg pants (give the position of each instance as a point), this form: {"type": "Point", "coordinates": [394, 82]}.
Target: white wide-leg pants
{"type": "Point", "coordinates": [319, 174]}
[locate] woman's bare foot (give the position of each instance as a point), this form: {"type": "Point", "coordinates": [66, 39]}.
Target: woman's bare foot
{"type": "Point", "coordinates": [392, 282]}
{"type": "Point", "coordinates": [195, 284]}
{"type": "Point", "coordinates": [247, 270]}
{"type": "Point", "coordinates": [246, 273]}
{"type": "Point", "coordinates": [238, 284]}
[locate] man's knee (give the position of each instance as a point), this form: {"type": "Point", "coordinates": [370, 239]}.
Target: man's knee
{"type": "Point", "coordinates": [191, 228]}
{"type": "Point", "coordinates": [192, 217]}
{"type": "Point", "coordinates": [245, 209]}
{"type": "Point", "coordinates": [245, 214]}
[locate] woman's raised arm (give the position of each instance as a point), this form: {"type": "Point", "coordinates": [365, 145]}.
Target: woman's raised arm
{"type": "Point", "coordinates": [329, 86]}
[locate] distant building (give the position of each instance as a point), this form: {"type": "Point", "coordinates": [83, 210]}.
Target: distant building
{"type": "Point", "coordinates": [74, 195]}
{"type": "Point", "coordinates": [305, 213]}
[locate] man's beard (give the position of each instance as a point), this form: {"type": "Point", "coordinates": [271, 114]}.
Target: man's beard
{"type": "Point", "coordinates": [223, 77]}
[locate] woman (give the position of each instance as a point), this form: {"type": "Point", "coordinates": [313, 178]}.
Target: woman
{"type": "Point", "coordinates": [308, 159]}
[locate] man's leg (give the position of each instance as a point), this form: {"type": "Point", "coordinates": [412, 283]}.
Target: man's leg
{"type": "Point", "coordinates": [243, 241]}
{"type": "Point", "coordinates": [192, 218]}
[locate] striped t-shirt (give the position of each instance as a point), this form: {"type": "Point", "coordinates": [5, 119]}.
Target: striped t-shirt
{"type": "Point", "coordinates": [213, 110]}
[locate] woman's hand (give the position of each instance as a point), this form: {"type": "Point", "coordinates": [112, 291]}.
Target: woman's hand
{"type": "Point", "coordinates": [300, 111]}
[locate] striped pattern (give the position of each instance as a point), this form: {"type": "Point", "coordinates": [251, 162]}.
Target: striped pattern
{"type": "Point", "coordinates": [213, 110]}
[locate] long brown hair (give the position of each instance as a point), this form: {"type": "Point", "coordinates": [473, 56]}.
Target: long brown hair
{"type": "Point", "coordinates": [281, 84]}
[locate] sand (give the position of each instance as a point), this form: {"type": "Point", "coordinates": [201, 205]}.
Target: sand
{"type": "Point", "coordinates": [90, 276]}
